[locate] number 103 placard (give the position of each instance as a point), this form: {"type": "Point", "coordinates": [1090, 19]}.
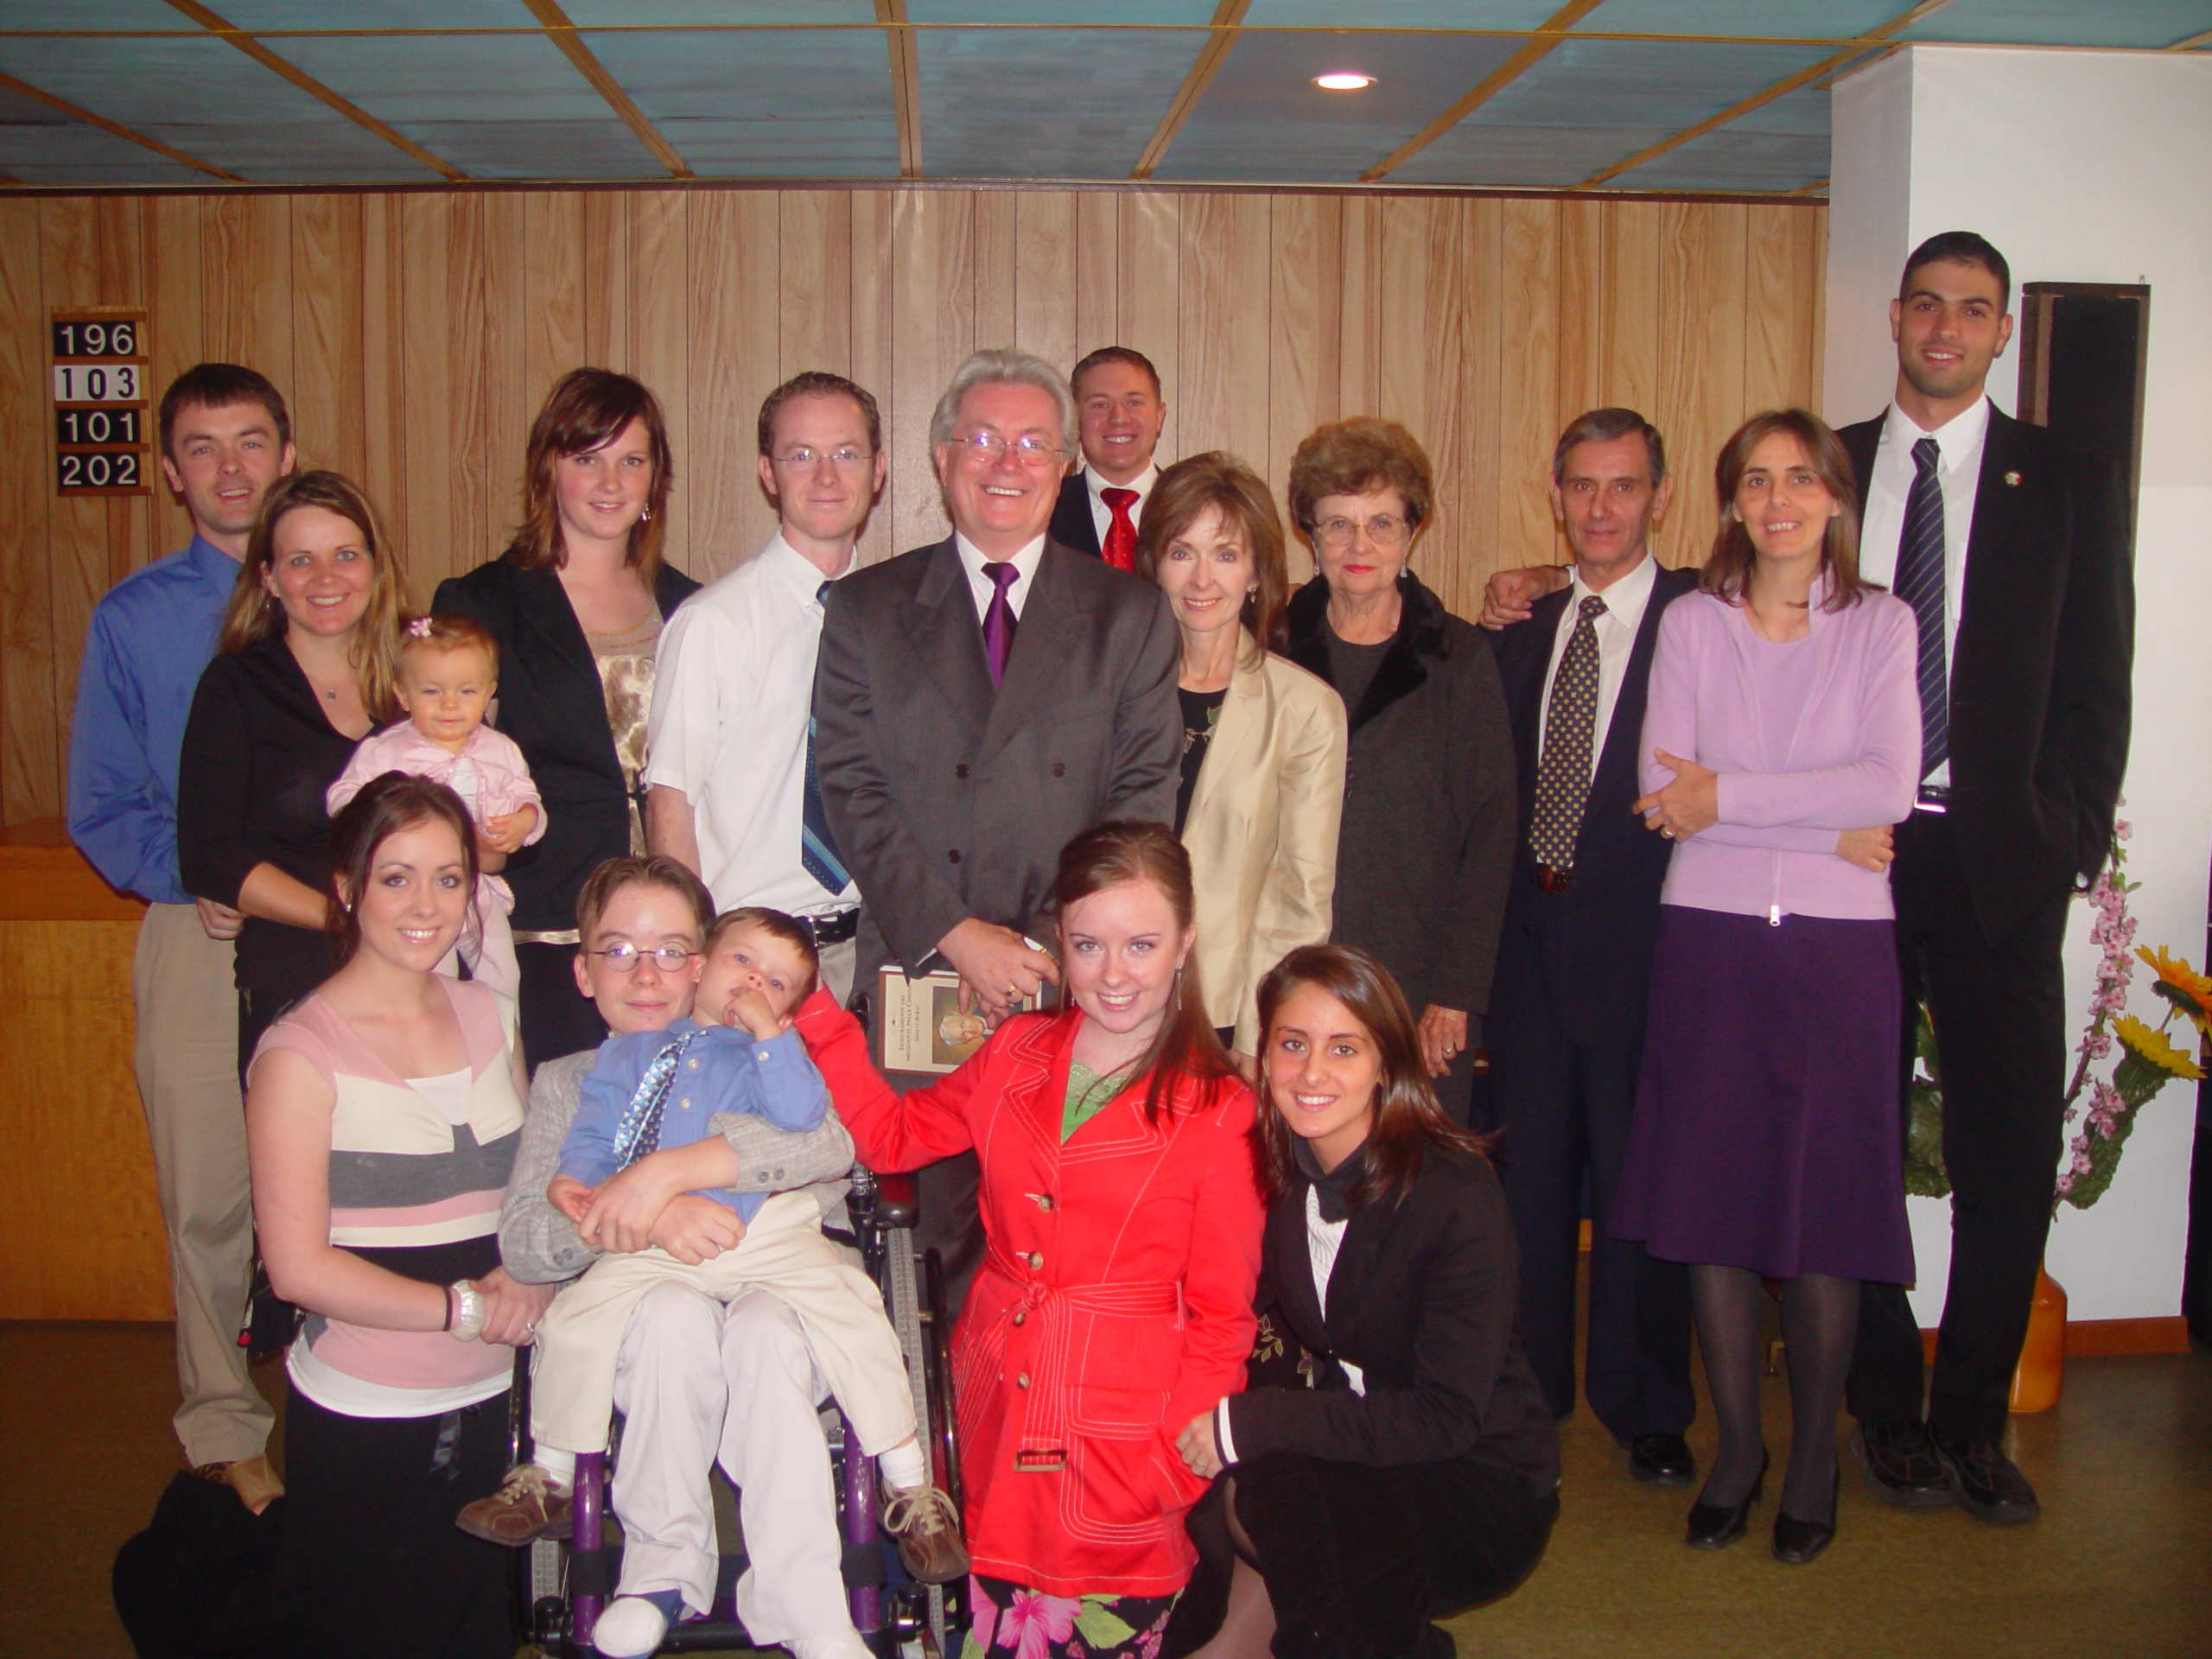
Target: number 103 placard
{"type": "Point", "coordinates": [101, 441]}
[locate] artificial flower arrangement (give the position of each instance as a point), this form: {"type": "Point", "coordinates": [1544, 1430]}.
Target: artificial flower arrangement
{"type": "Point", "coordinates": [2105, 1106]}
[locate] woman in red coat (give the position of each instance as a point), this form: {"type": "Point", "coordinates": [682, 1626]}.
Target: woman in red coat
{"type": "Point", "coordinates": [1122, 1214]}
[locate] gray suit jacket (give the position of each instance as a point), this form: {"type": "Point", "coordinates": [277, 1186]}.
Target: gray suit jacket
{"type": "Point", "coordinates": [952, 799]}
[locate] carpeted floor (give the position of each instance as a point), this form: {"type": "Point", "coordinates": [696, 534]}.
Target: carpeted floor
{"type": "Point", "coordinates": [2120, 1565]}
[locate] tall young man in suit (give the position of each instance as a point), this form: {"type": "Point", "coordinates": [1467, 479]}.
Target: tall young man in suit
{"type": "Point", "coordinates": [732, 791]}
{"type": "Point", "coordinates": [1118, 405]}
{"type": "Point", "coordinates": [2012, 546]}
{"type": "Point", "coordinates": [1567, 1026]}
{"type": "Point", "coordinates": [977, 703]}
{"type": "Point", "coordinates": [226, 438]}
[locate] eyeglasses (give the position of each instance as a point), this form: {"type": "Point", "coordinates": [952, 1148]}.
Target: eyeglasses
{"type": "Point", "coordinates": [1384, 529]}
{"type": "Point", "coordinates": [1029, 449]}
{"type": "Point", "coordinates": [624, 958]}
{"type": "Point", "coordinates": [806, 460]}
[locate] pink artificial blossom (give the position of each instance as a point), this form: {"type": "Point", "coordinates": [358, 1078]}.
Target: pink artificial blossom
{"type": "Point", "coordinates": [1035, 1621]}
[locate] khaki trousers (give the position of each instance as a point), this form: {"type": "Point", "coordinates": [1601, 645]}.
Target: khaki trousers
{"type": "Point", "coordinates": [572, 1386]}
{"type": "Point", "coordinates": [187, 1057]}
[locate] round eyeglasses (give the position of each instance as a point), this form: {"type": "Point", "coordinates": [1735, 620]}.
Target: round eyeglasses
{"type": "Point", "coordinates": [624, 957]}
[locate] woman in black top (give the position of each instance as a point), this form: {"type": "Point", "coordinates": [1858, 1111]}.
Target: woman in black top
{"type": "Point", "coordinates": [302, 670]}
{"type": "Point", "coordinates": [576, 605]}
{"type": "Point", "coordinates": [1409, 1469]}
{"type": "Point", "coordinates": [1426, 849]}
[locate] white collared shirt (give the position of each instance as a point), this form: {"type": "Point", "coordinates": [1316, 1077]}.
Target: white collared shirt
{"type": "Point", "coordinates": [1958, 473]}
{"type": "Point", "coordinates": [732, 690]}
{"type": "Point", "coordinates": [1623, 614]}
{"type": "Point", "coordinates": [1102, 515]}
{"type": "Point", "coordinates": [981, 586]}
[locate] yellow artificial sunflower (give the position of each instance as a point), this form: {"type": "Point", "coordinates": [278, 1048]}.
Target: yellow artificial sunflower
{"type": "Point", "coordinates": [2152, 1045]}
{"type": "Point", "coordinates": [2193, 986]}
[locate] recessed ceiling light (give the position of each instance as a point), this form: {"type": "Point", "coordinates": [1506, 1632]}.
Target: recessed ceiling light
{"type": "Point", "coordinates": [1346, 81]}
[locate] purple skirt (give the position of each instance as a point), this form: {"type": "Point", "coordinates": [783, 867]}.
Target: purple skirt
{"type": "Point", "coordinates": [1767, 1131]}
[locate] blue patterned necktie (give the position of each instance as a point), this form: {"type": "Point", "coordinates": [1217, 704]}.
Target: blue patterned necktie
{"type": "Point", "coordinates": [1920, 584]}
{"type": "Point", "coordinates": [817, 848]}
{"type": "Point", "coordinates": [1570, 729]}
{"type": "Point", "coordinates": [638, 1134]}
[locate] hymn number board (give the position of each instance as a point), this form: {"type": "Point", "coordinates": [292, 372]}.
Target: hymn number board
{"type": "Point", "coordinates": [101, 444]}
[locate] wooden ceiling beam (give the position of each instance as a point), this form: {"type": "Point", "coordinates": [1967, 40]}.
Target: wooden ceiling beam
{"type": "Point", "coordinates": [78, 112]}
{"type": "Point", "coordinates": [563, 34]}
{"type": "Point", "coordinates": [1553, 30]}
{"type": "Point", "coordinates": [1221, 36]}
{"type": "Point", "coordinates": [906, 84]}
{"type": "Point", "coordinates": [1874, 40]}
{"type": "Point", "coordinates": [223, 29]}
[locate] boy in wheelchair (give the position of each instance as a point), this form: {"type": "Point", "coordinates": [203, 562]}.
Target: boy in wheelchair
{"type": "Point", "coordinates": [658, 1085]}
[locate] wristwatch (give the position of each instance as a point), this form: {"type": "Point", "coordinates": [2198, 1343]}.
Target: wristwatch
{"type": "Point", "coordinates": [465, 1311]}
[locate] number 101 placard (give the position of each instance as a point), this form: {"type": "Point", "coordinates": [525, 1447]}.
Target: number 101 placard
{"type": "Point", "coordinates": [100, 439]}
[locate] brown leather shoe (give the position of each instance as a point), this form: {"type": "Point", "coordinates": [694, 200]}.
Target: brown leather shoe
{"type": "Point", "coordinates": [927, 1528]}
{"type": "Point", "coordinates": [251, 1478]}
{"type": "Point", "coordinates": [528, 1504]}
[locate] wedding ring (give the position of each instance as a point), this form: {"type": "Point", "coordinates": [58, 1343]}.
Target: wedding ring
{"type": "Point", "coordinates": [1667, 834]}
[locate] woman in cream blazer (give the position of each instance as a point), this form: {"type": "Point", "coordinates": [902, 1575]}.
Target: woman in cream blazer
{"type": "Point", "coordinates": [1263, 741]}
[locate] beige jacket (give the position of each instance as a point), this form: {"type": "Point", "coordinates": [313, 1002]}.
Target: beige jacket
{"type": "Point", "coordinates": [1263, 831]}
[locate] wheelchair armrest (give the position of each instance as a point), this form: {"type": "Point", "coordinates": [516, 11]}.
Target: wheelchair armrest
{"type": "Point", "coordinates": [897, 1203]}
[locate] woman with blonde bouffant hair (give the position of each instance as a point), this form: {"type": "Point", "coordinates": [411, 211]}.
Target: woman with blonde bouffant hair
{"type": "Point", "coordinates": [1263, 739]}
{"type": "Point", "coordinates": [303, 670]}
{"type": "Point", "coordinates": [576, 605]}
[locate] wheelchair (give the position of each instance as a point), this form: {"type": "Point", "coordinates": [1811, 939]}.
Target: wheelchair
{"type": "Point", "coordinates": [566, 1586]}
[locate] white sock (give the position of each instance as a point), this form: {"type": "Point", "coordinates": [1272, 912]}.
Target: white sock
{"type": "Point", "coordinates": [903, 1467]}
{"type": "Point", "coordinates": [561, 1466]}
{"type": "Point", "coordinates": [631, 1628]}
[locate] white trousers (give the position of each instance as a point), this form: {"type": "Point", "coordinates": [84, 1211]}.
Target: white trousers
{"type": "Point", "coordinates": [699, 1381]}
{"type": "Point", "coordinates": [853, 1346]}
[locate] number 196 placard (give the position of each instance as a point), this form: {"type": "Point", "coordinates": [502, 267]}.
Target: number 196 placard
{"type": "Point", "coordinates": [101, 443]}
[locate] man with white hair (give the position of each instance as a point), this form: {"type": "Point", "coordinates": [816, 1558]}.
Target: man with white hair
{"type": "Point", "coordinates": [977, 703]}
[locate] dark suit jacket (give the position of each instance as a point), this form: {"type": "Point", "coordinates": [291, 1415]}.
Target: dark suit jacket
{"type": "Point", "coordinates": [2041, 671]}
{"type": "Point", "coordinates": [1422, 1298]}
{"type": "Point", "coordinates": [1594, 941]}
{"type": "Point", "coordinates": [1072, 525]}
{"type": "Point", "coordinates": [950, 798]}
{"type": "Point", "coordinates": [551, 705]}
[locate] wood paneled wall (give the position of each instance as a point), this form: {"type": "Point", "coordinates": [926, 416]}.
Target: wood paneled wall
{"type": "Point", "coordinates": [416, 333]}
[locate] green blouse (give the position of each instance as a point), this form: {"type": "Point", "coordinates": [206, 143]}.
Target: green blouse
{"type": "Point", "coordinates": [1088, 1094]}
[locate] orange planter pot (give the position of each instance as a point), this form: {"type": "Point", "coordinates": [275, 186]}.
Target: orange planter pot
{"type": "Point", "coordinates": [2041, 1373]}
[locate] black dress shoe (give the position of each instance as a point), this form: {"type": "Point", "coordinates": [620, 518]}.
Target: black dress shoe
{"type": "Point", "coordinates": [1798, 1542]}
{"type": "Point", "coordinates": [1900, 1466]}
{"type": "Point", "coordinates": [1716, 1526]}
{"type": "Point", "coordinates": [1662, 1460]}
{"type": "Point", "coordinates": [1988, 1485]}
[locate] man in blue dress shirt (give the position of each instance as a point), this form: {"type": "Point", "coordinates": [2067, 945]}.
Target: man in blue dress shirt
{"type": "Point", "coordinates": [224, 439]}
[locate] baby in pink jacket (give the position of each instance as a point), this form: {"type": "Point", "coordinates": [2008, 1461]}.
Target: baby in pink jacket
{"type": "Point", "coordinates": [448, 674]}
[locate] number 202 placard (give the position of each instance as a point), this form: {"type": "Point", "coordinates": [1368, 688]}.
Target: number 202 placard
{"type": "Point", "coordinates": [100, 439]}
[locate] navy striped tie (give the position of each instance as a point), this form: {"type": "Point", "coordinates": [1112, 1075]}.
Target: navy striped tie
{"type": "Point", "coordinates": [1920, 584]}
{"type": "Point", "coordinates": [817, 848]}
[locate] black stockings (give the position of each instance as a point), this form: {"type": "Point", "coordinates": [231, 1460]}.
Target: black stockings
{"type": "Point", "coordinates": [1819, 1321]}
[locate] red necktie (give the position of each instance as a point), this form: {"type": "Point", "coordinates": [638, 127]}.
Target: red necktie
{"type": "Point", "coordinates": [1121, 549]}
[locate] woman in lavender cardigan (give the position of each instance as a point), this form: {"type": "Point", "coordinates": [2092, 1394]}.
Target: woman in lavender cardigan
{"type": "Point", "coordinates": [1782, 740]}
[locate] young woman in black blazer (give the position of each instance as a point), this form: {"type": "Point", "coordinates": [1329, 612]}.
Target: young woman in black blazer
{"type": "Point", "coordinates": [302, 671]}
{"type": "Point", "coordinates": [1407, 1468]}
{"type": "Point", "coordinates": [576, 604]}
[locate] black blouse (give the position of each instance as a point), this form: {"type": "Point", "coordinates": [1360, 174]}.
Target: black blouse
{"type": "Point", "coordinates": [259, 754]}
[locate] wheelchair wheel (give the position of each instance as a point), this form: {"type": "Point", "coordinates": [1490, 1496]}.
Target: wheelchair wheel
{"type": "Point", "coordinates": [914, 1297]}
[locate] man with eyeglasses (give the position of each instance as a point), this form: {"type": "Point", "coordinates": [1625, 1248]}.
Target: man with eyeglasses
{"type": "Point", "coordinates": [979, 703]}
{"type": "Point", "coordinates": [731, 788]}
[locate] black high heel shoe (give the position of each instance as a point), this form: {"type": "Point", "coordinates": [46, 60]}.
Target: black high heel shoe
{"type": "Point", "coordinates": [1799, 1541]}
{"type": "Point", "coordinates": [1716, 1526]}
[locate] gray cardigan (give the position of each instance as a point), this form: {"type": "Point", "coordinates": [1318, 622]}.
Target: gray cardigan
{"type": "Point", "coordinates": [539, 1245]}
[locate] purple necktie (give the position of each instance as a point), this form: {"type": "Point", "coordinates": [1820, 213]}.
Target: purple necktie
{"type": "Point", "coordinates": [998, 620]}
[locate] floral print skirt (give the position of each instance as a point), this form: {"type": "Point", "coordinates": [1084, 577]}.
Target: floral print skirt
{"type": "Point", "coordinates": [1010, 1621]}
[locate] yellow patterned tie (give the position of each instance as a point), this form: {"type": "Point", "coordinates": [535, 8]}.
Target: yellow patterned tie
{"type": "Point", "coordinates": [1570, 725]}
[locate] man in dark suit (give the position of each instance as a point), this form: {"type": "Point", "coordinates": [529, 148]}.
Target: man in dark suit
{"type": "Point", "coordinates": [1567, 1026]}
{"type": "Point", "coordinates": [977, 703]}
{"type": "Point", "coordinates": [1118, 406]}
{"type": "Point", "coordinates": [2012, 545]}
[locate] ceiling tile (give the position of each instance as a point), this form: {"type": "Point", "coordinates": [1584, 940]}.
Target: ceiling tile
{"type": "Point", "coordinates": [1262, 117]}
{"type": "Point", "coordinates": [1669, 84]}
{"type": "Point", "coordinates": [1800, 20]}
{"type": "Point", "coordinates": [95, 15]}
{"type": "Point", "coordinates": [1189, 13]}
{"type": "Point", "coordinates": [588, 14]}
{"type": "Point", "coordinates": [1045, 104]}
{"type": "Point", "coordinates": [474, 77]}
{"type": "Point", "coordinates": [2065, 22]}
{"type": "Point", "coordinates": [604, 149]}
{"type": "Point", "coordinates": [1402, 14]}
{"type": "Point", "coordinates": [41, 146]}
{"type": "Point", "coordinates": [774, 104]}
{"type": "Point", "coordinates": [1728, 159]}
{"type": "Point", "coordinates": [1541, 158]}
{"type": "Point", "coordinates": [258, 15]}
